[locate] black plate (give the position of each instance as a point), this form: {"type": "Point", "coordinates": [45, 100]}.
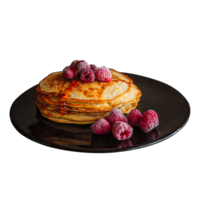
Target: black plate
{"type": "Point", "coordinates": [172, 108]}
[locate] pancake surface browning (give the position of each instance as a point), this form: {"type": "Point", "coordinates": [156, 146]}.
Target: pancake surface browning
{"type": "Point", "coordinates": [72, 101]}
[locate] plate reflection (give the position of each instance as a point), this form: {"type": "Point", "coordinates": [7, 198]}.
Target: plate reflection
{"type": "Point", "coordinates": [69, 136]}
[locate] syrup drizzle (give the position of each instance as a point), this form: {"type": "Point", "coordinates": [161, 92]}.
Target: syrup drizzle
{"type": "Point", "coordinates": [74, 83]}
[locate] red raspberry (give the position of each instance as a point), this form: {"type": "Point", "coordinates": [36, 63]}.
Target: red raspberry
{"type": "Point", "coordinates": [134, 117]}
{"type": "Point", "coordinates": [149, 121]}
{"type": "Point", "coordinates": [82, 65]}
{"type": "Point", "coordinates": [122, 130]}
{"type": "Point", "coordinates": [75, 70]}
{"type": "Point", "coordinates": [116, 115]}
{"type": "Point", "coordinates": [103, 74]}
{"type": "Point", "coordinates": [69, 71]}
{"type": "Point", "coordinates": [101, 127]}
{"type": "Point", "coordinates": [87, 76]}
{"type": "Point", "coordinates": [73, 64]}
{"type": "Point", "coordinates": [94, 68]}
{"type": "Point", "coordinates": [69, 74]}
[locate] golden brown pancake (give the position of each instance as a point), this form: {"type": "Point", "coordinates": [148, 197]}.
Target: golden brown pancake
{"type": "Point", "coordinates": [75, 102]}
{"type": "Point", "coordinates": [75, 90]}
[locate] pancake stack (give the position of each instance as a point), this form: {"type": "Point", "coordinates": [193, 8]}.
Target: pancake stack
{"type": "Point", "coordinates": [74, 102]}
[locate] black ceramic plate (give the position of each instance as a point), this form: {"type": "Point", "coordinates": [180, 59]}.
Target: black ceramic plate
{"type": "Point", "coordinates": [172, 108]}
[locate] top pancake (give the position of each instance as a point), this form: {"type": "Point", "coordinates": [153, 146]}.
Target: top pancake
{"type": "Point", "coordinates": [75, 90]}
{"type": "Point", "coordinates": [133, 95]}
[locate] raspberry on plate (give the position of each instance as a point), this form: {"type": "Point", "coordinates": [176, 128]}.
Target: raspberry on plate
{"type": "Point", "coordinates": [134, 117]}
{"type": "Point", "coordinates": [103, 74]}
{"type": "Point", "coordinates": [101, 127]}
{"type": "Point", "coordinates": [149, 121]}
{"type": "Point", "coordinates": [74, 68]}
{"type": "Point", "coordinates": [116, 115]}
{"type": "Point", "coordinates": [87, 76]}
{"type": "Point", "coordinates": [82, 65]}
{"type": "Point", "coordinates": [122, 130]}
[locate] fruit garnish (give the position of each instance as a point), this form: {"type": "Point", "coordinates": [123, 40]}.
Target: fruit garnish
{"type": "Point", "coordinates": [116, 115]}
{"type": "Point", "coordinates": [73, 64]}
{"type": "Point", "coordinates": [78, 66]}
{"type": "Point", "coordinates": [82, 65]}
{"type": "Point", "coordinates": [122, 130]}
{"type": "Point", "coordinates": [103, 74]}
{"type": "Point", "coordinates": [94, 68]}
{"type": "Point", "coordinates": [101, 126]}
{"type": "Point", "coordinates": [87, 76]}
{"type": "Point", "coordinates": [149, 121]}
{"type": "Point", "coordinates": [134, 117]}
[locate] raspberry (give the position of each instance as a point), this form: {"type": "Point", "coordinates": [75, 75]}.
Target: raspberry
{"type": "Point", "coordinates": [94, 68]}
{"type": "Point", "coordinates": [116, 115]}
{"type": "Point", "coordinates": [134, 117]}
{"type": "Point", "coordinates": [87, 76]}
{"type": "Point", "coordinates": [82, 65]}
{"type": "Point", "coordinates": [122, 130]}
{"type": "Point", "coordinates": [149, 121]}
{"type": "Point", "coordinates": [68, 74]}
{"type": "Point", "coordinates": [73, 64]}
{"type": "Point", "coordinates": [69, 71]}
{"type": "Point", "coordinates": [103, 74]}
{"type": "Point", "coordinates": [101, 127]}
{"type": "Point", "coordinates": [75, 70]}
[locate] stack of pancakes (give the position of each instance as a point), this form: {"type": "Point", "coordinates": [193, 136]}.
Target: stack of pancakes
{"type": "Point", "coordinates": [74, 102]}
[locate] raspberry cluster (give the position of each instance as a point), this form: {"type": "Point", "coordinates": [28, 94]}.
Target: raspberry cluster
{"type": "Point", "coordinates": [122, 127]}
{"type": "Point", "coordinates": [87, 73]}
